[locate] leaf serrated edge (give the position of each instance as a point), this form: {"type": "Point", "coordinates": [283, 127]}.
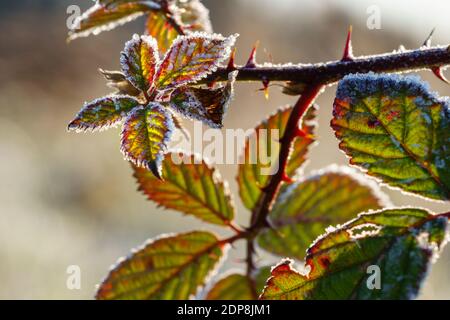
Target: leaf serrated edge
{"type": "Point", "coordinates": [352, 173]}
{"type": "Point", "coordinates": [223, 246]}
{"type": "Point", "coordinates": [228, 42]}
{"type": "Point", "coordinates": [170, 127]}
{"type": "Point", "coordinates": [138, 40]}
{"type": "Point", "coordinates": [217, 179]}
{"type": "Point", "coordinates": [109, 124]}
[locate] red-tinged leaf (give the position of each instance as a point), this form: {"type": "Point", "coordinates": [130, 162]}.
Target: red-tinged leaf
{"type": "Point", "coordinates": [98, 18]}
{"type": "Point", "coordinates": [167, 268]}
{"type": "Point", "coordinates": [306, 208]}
{"type": "Point", "coordinates": [139, 60]}
{"type": "Point", "coordinates": [192, 58]}
{"type": "Point", "coordinates": [156, 4]}
{"type": "Point", "coordinates": [190, 15]}
{"type": "Point", "coordinates": [159, 28]}
{"type": "Point", "coordinates": [402, 243]}
{"type": "Point", "coordinates": [233, 287]}
{"type": "Point", "coordinates": [397, 130]}
{"type": "Point", "coordinates": [191, 186]}
{"type": "Point", "coordinates": [145, 135]}
{"type": "Point", "coordinates": [103, 113]}
{"type": "Point", "coordinates": [256, 168]}
{"type": "Point", "coordinates": [206, 105]}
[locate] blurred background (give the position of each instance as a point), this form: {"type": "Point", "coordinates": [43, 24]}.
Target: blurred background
{"type": "Point", "coordinates": [69, 199]}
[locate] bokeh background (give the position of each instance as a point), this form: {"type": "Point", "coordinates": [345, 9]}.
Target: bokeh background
{"type": "Point", "coordinates": [69, 199]}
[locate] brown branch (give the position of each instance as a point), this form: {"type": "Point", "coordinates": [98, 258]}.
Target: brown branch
{"type": "Point", "coordinates": [330, 72]}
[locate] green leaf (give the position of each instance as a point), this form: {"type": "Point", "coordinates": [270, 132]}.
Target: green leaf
{"type": "Point", "coordinates": [260, 277]}
{"type": "Point", "coordinates": [145, 135]}
{"type": "Point", "coordinates": [232, 287]}
{"type": "Point", "coordinates": [167, 268]}
{"type": "Point", "coordinates": [139, 60]}
{"type": "Point", "coordinates": [98, 18]}
{"type": "Point", "coordinates": [254, 171]}
{"type": "Point", "coordinates": [103, 113]}
{"type": "Point", "coordinates": [191, 58]}
{"type": "Point", "coordinates": [191, 186]}
{"type": "Point", "coordinates": [236, 286]}
{"type": "Point", "coordinates": [306, 208]}
{"type": "Point", "coordinates": [397, 131]}
{"type": "Point", "coordinates": [206, 105]}
{"type": "Point", "coordinates": [401, 242]}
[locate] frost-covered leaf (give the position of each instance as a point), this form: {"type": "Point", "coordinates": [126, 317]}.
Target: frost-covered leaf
{"type": "Point", "coordinates": [191, 58]}
{"type": "Point", "coordinates": [103, 113]}
{"type": "Point", "coordinates": [206, 105]}
{"type": "Point", "coordinates": [167, 268]}
{"type": "Point", "coordinates": [306, 208]}
{"type": "Point", "coordinates": [139, 60]}
{"type": "Point", "coordinates": [263, 145]}
{"type": "Point", "coordinates": [191, 186]}
{"type": "Point", "coordinates": [118, 81]}
{"type": "Point", "coordinates": [394, 128]}
{"type": "Point", "coordinates": [98, 18]}
{"type": "Point", "coordinates": [401, 242]}
{"type": "Point", "coordinates": [145, 135]}
{"type": "Point", "coordinates": [232, 287]}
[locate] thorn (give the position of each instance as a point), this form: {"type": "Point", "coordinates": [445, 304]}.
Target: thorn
{"type": "Point", "coordinates": [231, 65]}
{"type": "Point", "coordinates": [251, 63]}
{"type": "Point", "coordinates": [303, 134]}
{"type": "Point", "coordinates": [348, 50]}
{"type": "Point", "coordinates": [265, 83]}
{"type": "Point", "coordinates": [211, 84]}
{"type": "Point", "coordinates": [286, 178]}
{"type": "Point", "coordinates": [401, 48]}
{"type": "Point", "coordinates": [438, 72]}
{"type": "Point", "coordinates": [269, 55]}
{"type": "Point", "coordinates": [427, 42]}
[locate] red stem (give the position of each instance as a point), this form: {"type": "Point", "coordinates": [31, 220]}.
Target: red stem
{"type": "Point", "coordinates": [270, 192]}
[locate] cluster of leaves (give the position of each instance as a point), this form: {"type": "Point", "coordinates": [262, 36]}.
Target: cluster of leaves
{"type": "Point", "coordinates": [160, 87]}
{"type": "Point", "coordinates": [391, 127]}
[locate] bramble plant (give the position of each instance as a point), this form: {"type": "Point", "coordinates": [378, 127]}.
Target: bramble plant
{"type": "Point", "coordinates": [391, 127]}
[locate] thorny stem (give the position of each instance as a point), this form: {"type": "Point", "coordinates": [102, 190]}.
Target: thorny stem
{"type": "Point", "coordinates": [262, 209]}
{"type": "Point", "coordinates": [316, 77]}
{"type": "Point", "coordinates": [330, 72]}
